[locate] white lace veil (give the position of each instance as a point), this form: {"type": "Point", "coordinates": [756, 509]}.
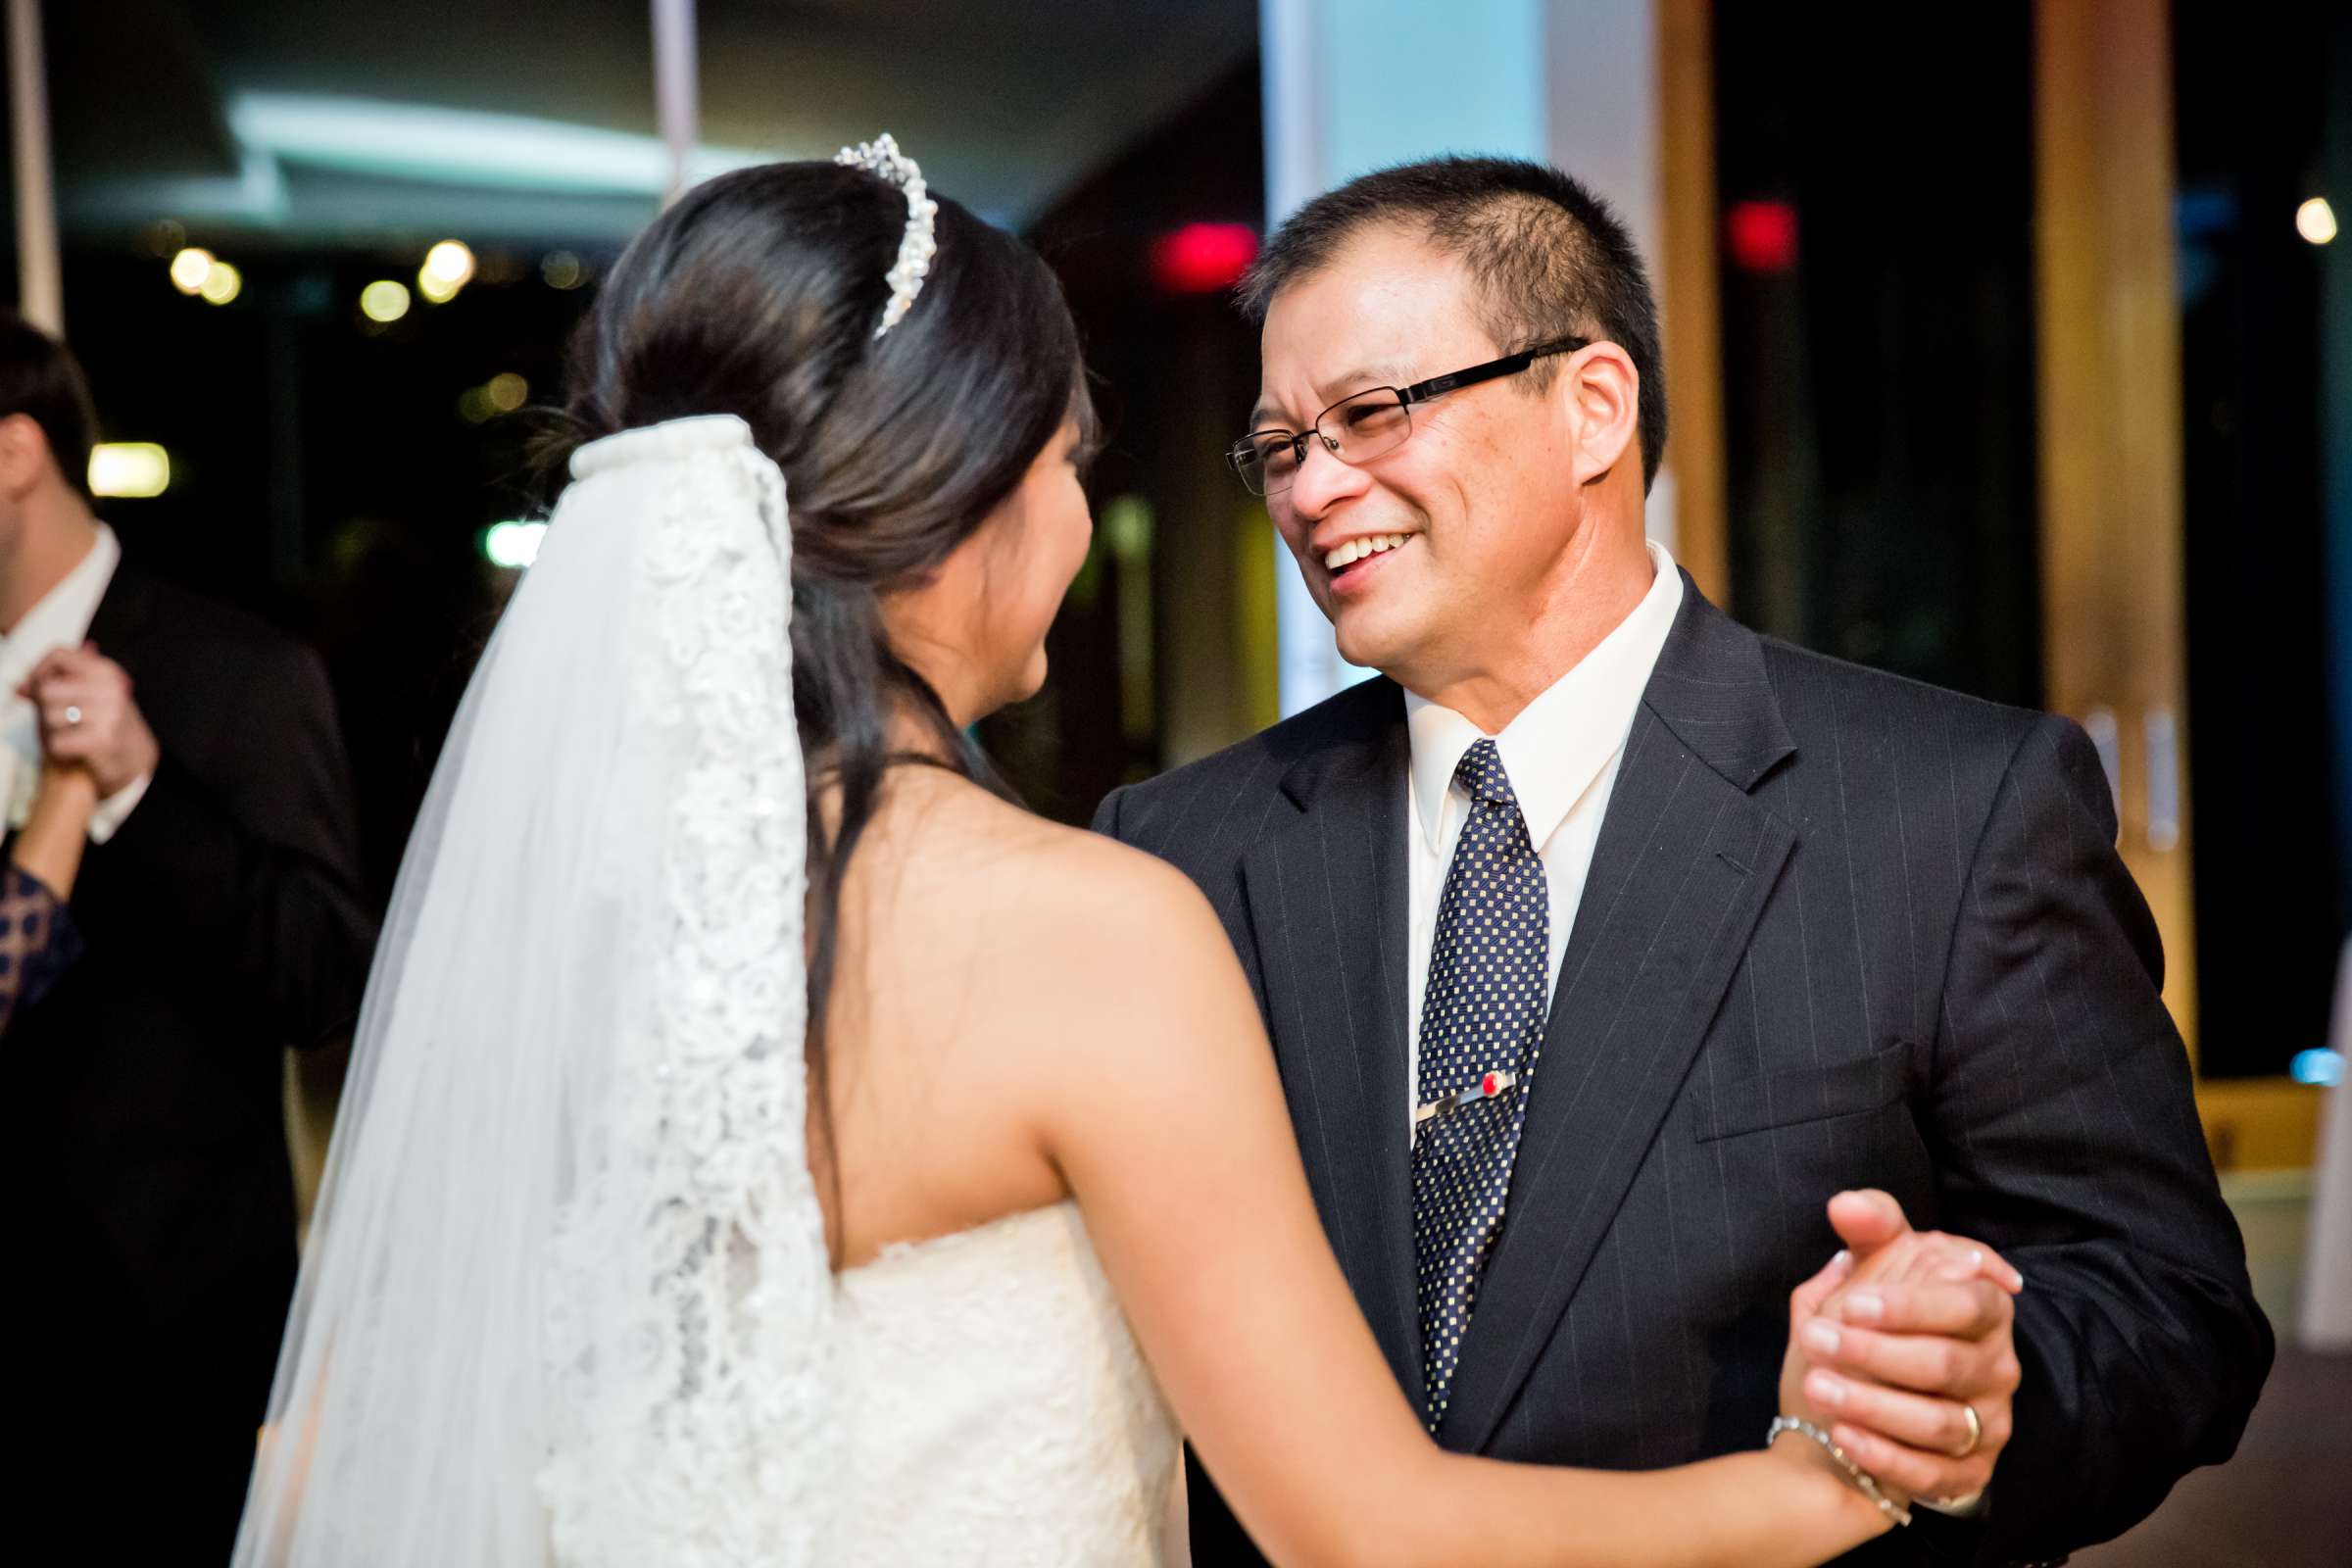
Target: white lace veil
{"type": "Point", "coordinates": [567, 1298]}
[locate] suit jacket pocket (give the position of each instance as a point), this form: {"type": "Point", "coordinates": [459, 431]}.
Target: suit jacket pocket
{"type": "Point", "coordinates": [1798, 1095]}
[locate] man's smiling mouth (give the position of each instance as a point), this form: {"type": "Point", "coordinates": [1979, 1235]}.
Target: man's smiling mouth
{"type": "Point", "coordinates": [1345, 559]}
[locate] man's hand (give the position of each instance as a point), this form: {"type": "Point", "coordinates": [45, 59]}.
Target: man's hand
{"type": "Point", "coordinates": [1917, 1336]}
{"type": "Point", "coordinates": [87, 716]}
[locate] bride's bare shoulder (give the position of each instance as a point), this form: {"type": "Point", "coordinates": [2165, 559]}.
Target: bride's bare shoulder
{"type": "Point", "coordinates": [1022, 878]}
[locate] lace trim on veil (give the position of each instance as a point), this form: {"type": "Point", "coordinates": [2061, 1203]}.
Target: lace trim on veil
{"type": "Point", "coordinates": [689, 1288]}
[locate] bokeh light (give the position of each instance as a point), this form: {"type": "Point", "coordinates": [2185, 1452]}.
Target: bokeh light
{"type": "Point", "coordinates": [189, 268]}
{"type": "Point", "coordinates": [129, 469]}
{"type": "Point", "coordinates": [451, 261]}
{"type": "Point", "coordinates": [223, 284]}
{"type": "Point", "coordinates": [384, 300]}
{"type": "Point", "coordinates": [2315, 221]}
{"type": "Point", "coordinates": [1761, 235]}
{"type": "Point", "coordinates": [1203, 258]}
{"type": "Point", "coordinates": [448, 268]}
{"type": "Point", "coordinates": [512, 544]}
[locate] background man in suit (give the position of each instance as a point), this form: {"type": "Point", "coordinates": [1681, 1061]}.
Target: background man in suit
{"type": "Point", "coordinates": [1604, 939]}
{"type": "Point", "coordinates": [144, 1185]}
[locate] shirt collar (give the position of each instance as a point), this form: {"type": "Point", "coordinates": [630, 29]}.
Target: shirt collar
{"type": "Point", "coordinates": [60, 618]}
{"type": "Point", "coordinates": [1562, 742]}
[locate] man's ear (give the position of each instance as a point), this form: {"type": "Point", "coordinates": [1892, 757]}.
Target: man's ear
{"type": "Point", "coordinates": [24, 453]}
{"type": "Point", "coordinates": [1600, 393]}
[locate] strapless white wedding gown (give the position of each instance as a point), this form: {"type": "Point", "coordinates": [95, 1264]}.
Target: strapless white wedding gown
{"type": "Point", "coordinates": [995, 1408]}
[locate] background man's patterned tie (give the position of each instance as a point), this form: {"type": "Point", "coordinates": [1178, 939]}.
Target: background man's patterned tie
{"type": "Point", "coordinates": [1482, 1024]}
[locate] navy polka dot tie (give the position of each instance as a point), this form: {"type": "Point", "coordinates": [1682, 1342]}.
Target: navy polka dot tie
{"type": "Point", "coordinates": [1482, 1025]}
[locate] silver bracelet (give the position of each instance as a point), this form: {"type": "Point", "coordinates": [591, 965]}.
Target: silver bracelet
{"type": "Point", "coordinates": [1860, 1477]}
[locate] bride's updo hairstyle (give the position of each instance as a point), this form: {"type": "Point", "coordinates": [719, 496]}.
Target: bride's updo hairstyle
{"type": "Point", "coordinates": [756, 294]}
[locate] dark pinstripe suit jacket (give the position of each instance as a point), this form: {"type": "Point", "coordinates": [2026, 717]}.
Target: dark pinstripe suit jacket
{"type": "Point", "coordinates": [1841, 930]}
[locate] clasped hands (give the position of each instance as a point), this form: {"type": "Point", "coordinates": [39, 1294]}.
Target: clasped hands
{"type": "Point", "coordinates": [88, 720]}
{"type": "Point", "coordinates": [1902, 1348]}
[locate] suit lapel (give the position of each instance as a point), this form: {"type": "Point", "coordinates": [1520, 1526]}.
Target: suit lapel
{"type": "Point", "coordinates": [123, 610]}
{"type": "Point", "coordinates": [1684, 860]}
{"type": "Point", "coordinates": [1326, 891]}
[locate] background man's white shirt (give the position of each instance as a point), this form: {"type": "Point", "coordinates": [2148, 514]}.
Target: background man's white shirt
{"type": "Point", "coordinates": [60, 619]}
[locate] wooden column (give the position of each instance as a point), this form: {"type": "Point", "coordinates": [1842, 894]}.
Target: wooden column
{"type": "Point", "coordinates": [2109, 330]}
{"type": "Point", "coordinates": [1690, 296]}
{"type": "Point", "coordinates": [40, 291]}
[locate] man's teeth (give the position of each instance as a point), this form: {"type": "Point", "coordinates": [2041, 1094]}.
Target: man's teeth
{"type": "Point", "coordinates": [1355, 550]}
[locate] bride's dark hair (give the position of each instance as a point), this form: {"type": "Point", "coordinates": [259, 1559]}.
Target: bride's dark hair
{"type": "Point", "coordinates": [757, 294]}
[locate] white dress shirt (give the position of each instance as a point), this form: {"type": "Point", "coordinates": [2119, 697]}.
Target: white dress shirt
{"type": "Point", "coordinates": [1561, 753]}
{"type": "Point", "coordinates": [60, 619]}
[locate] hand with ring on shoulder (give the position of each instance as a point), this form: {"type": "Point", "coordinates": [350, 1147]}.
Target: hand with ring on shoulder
{"type": "Point", "coordinates": [88, 717]}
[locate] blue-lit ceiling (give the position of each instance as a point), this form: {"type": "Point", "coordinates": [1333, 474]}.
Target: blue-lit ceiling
{"type": "Point", "coordinates": [302, 120]}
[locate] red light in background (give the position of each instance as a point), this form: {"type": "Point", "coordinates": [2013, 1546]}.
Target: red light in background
{"type": "Point", "coordinates": [1201, 257]}
{"type": "Point", "coordinates": [1761, 237]}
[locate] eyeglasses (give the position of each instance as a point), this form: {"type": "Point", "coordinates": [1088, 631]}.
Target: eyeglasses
{"type": "Point", "coordinates": [1365, 424]}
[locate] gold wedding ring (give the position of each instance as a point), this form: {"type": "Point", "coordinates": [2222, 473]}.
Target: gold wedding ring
{"type": "Point", "coordinates": [1975, 1431]}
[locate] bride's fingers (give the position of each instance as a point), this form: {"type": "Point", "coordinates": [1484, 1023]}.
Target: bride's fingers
{"type": "Point", "coordinates": [1806, 1299]}
{"type": "Point", "coordinates": [1927, 1256]}
{"type": "Point", "coordinates": [1955, 1258]}
{"type": "Point", "coordinates": [1918, 1256]}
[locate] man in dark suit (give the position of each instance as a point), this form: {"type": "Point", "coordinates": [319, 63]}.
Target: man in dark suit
{"type": "Point", "coordinates": [1603, 941]}
{"type": "Point", "coordinates": [144, 1182]}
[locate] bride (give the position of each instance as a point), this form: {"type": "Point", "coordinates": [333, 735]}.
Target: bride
{"type": "Point", "coordinates": [766, 1143]}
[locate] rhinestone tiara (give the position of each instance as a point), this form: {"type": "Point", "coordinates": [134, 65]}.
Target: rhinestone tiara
{"type": "Point", "coordinates": [881, 157]}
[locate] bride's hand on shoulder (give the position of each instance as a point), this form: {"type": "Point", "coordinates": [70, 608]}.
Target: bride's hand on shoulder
{"type": "Point", "coordinates": [1894, 1346]}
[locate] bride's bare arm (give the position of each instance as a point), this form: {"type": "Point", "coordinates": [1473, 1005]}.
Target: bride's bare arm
{"type": "Point", "coordinates": [1162, 1109]}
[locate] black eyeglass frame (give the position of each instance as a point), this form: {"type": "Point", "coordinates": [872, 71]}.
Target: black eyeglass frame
{"type": "Point", "coordinates": [1406, 396]}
